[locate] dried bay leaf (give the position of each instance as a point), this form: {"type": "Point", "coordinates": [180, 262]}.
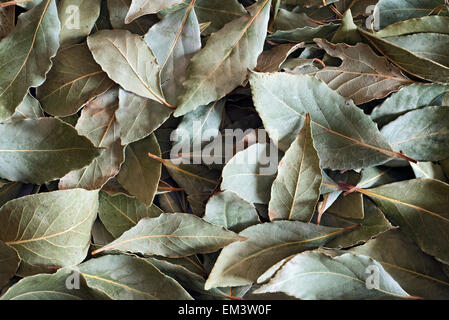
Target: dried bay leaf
{"type": "Point", "coordinates": [74, 79]}
{"type": "Point", "coordinates": [123, 277]}
{"type": "Point", "coordinates": [39, 145]}
{"type": "Point", "coordinates": [339, 146]}
{"type": "Point", "coordinates": [25, 54]}
{"type": "Point", "coordinates": [173, 235]}
{"type": "Point", "coordinates": [139, 8]}
{"type": "Point", "coordinates": [242, 263]}
{"type": "Point", "coordinates": [50, 229]}
{"type": "Point", "coordinates": [210, 76]}
{"type": "Point", "coordinates": [296, 189]}
{"type": "Point", "coordinates": [9, 263]}
{"type": "Point", "coordinates": [363, 76]}
{"type": "Point", "coordinates": [97, 122]}
{"type": "Point", "coordinates": [117, 13]}
{"type": "Point", "coordinates": [120, 213]}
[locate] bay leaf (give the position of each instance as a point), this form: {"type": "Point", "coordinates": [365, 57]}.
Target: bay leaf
{"type": "Point", "coordinates": [74, 80]}
{"type": "Point", "coordinates": [139, 8]}
{"type": "Point", "coordinates": [429, 170]}
{"type": "Point", "coordinates": [50, 229]}
{"type": "Point", "coordinates": [7, 21]}
{"type": "Point", "coordinates": [304, 34]}
{"type": "Point", "coordinates": [437, 24]}
{"type": "Point", "coordinates": [307, 276]}
{"type": "Point", "coordinates": [339, 145]}
{"type": "Point", "coordinates": [363, 76]}
{"type": "Point", "coordinates": [25, 54]}
{"type": "Point", "coordinates": [139, 174]}
{"type": "Point", "coordinates": [228, 210]}
{"type": "Point", "coordinates": [218, 13]}
{"type": "Point", "coordinates": [120, 213]}
{"type": "Point", "coordinates": [97, 122]}
{"type": "Point", "coordinates": [127, 60]}
{"type": "Point", "coordinates": [210, 76]}
{"type": "Point", "coordinates": [9, 263]}
{"type": "Point", "coordinates": [173, 235]}
{"type": "Point", "coordinates": [35, 153]}
{"type": "Point", "coordinates": [241, 263]}
{"type": "Point", "coordinates": [123, 277]}
{"type": "Point", "coordinates": [296, 189]}
{"type": "Point", "coordinates": [271, 60]}
{"type": "Point", "coordinates": [118, 10]}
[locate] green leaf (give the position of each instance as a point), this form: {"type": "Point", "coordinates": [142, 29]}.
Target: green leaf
{"type": "Point", "coordinates": [429, 170]}
{"type": "Point", "coordinates": [174, 41]}
{"type": "Point", "coordinates": [218, 13]}
{"type": "Point", "coordinates": [87, 11]}
{"type": "Point", "coordinates": [282, 101]}
{"type": "Point", "coordinates": [296, 189]}
{"type": "Point", "coordinates": [408, 61]}
{"type": "Point", "coordinates": [123, 277]}
{"type": "Point", "coordinates": [97, 122]}
{"type": "Point", "coordinates": [241, 263]}
{"type": "Point", "coordinates": [419, 208]}
{"type": "Point", "coordinates": [32, 150]}
{"type": "Point", "coordinates": [120, 213]}
{"type": "Point", "coordinates": [304, 34]}
{"type": "Point", "coordinates": [52, 287]}
{"type": "Point", "coordinates": [25, 54]}
{"type": "Point", "coordinates": [74, 80]}
{"type": "Point", "coordinates": [316, 276]}
{"type": "Point", "coordinates": [222, 64]}
{"type": "Point", "coordinates": [9, 263]}
{"type": "Point", "coordinates": [372, 224]}
{"type": "Point", "coordinates": [127, 60]}
{"type": "Point", "coordinates": [117, 13]}
{"type": "Point", "coordinates": [347, 33]}
{"type": "Point", "coordinates": [391, 11]}
{"type": "Point", "coordinates": [422, 134]}
{"type": "Point", "coordinates": [416, 272]}
{"type": "Point", "coordinates": [139, 174]}
{"type": "Point", "coordinates": [139, 8]}
{"type": "Point", "coordinates": [437, 24]}
{"type": "Point", "coordinates": [287, 20]}
{"type": "Point", "coordinates": [138, 117]}
{"type": "Point", "coordinates": [408, 98]}
{"type": "Point", "coordinates": [50, 229]}
{"type": "Point", "coordinates": [30, 108]}
{"type": "Point", "coordinates": [363, 76]}
{"type": "Point", "coordinates": [228, 210]}
{"type": "Point", "coordinates": [250, 179]}
{"type": "Point", "coordinates": [173, 235]}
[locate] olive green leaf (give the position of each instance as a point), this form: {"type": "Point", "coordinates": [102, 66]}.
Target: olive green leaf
{"type": "Point", "coordinates": [117, 13]}
{"type": "Point", "coordinates": [41, 150]}
{"type": "Point", "coordinates": [363, 76]}
{"type": "Point", "coordinates": [409, 61]}
{"type": "Point", "coordinates": [415, 271]}
{"type": "Point", "coordinates": [408, 98]}
{"type": "Point", "coordinates": [304, 34]}
{"type": "Point", "coordinates": [347, 33]}
{"type": "Point", "coordinates": [139, 8]}
{"type": "Point", "coordinates": [30, 108]}
{"type": "Point", "coordinates": [315, 275]}
{"type": "Point", "coordinates": [123, 277]}
{"type": "Point", "coordinates": [50, 229]}
{"type": "Point", "coordinates": [173, 235]}
{"type": "Point", "coordinates": [139, 174]}
{"type": "Point", "coordinates": [7, 21]}
{"type": "Point", "coordinates": [287, 20]}
{"type": "Point", "coordinates": [77, 19]}
{"type": "Point", "coordinates": [174, 41]}
{"type": "Point", "coordinates": [437, 24]}
{"type": "Point", "coordinates": [74, 80]}
{"type": "Point", "coordinates": [52, 287]}
{"type": "Point", "coordinates": [9, 263]}
{"type": "Point", "coordinates": [391, 11]}
{"type": "Point", "coordinates": [120, 213]}
{"type": "Point", "coordinates": [372, 224]}
{"type": "Point", "coordinates": [422, 134]}
{"type": "Point", "coordinates": [251, 180]}
{"type": "Point", "coordinates": [296, 189]}
{"type": "Point", "coordinates": [419, 208]}
{"type": "Point", "coordinates": [282, 101]}
{"type": "Point", "coordinates": [218, 13]}
{"type": "Point", "coordinates": [222, 64]}
{"type": "Point", "coordinates": [25, 54]}
{"type": "Point", "coordinates": [127, 60]}
{"type": "Point", "coordinates": [138, 117]}
{"type": "Point", "coordinates": [228, 210]}
{"type": "Point", "coordinates": [97, 122]}
{"type": "Point", "coordinates": [241, 263]}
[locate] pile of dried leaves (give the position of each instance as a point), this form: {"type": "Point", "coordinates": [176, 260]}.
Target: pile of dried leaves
{"type": "Point", "coordinates": [98, 201]}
